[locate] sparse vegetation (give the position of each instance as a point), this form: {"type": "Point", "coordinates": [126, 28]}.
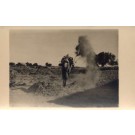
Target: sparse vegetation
{"type": "Point", "coordinates": [48, 64]}
{"type": "Point", "coordinates": [29, 75]}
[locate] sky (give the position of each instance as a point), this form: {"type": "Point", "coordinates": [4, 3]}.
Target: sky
{"type": "Point", "coordinates": [41, 46]}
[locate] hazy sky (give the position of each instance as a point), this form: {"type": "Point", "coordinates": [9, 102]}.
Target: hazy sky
{"type": "Point", "coordinates": [41, 46]}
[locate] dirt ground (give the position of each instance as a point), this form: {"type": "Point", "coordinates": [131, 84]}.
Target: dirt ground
{"type": "Point", "coordinates": [103, 94]}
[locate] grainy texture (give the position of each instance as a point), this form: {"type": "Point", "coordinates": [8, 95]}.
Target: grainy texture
{"type": "Point", "coordinates": [43, 87]}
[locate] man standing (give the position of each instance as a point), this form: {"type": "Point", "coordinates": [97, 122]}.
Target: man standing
{"type": "Point", "coordinates": [65, 65]}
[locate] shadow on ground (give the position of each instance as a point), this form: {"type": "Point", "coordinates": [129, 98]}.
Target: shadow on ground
{"type": "Point", "coordinates": [104, 96]}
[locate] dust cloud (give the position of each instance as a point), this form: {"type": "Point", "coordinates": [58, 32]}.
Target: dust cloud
{"type": "Point", "coordinates": [85, 50]}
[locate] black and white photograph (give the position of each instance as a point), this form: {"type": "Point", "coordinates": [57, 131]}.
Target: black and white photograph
{"type": "Point", "coordinates": [64, 68]}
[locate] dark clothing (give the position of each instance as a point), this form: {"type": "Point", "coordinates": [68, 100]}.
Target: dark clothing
{"type": "Point", "coordinates": [64, 74]}
{"type": "Point", "coordinates": [65, 69]}
{"type": "Point", "coordinates": [66, 64]}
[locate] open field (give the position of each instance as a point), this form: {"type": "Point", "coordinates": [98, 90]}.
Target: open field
{"type": "Point", "coordinates": [43, 88]}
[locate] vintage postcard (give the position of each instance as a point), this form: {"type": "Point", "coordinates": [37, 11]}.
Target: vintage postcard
{"type": "Point", "coordinates": [77, 67]}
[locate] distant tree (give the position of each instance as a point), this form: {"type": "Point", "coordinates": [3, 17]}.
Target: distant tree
{"type": "Point", "coordinates": [19, 64]}
{"type": "Point", "coordinates": [111, 59]}
{"type": "Point", "coordinates": [113, 63]}
{"type": "Point", "coordinates": [116, 62]}
{"type": "Point", "coordinates": [48, 64]}
{"type": "Point", "coordinates": [104, 58]}
{"type": "Point", "coordinates": [12, 64]}
{"type": "Point", "coordinates": [29, 64]}
{"type": "Point", "coordinates": [35, 65]}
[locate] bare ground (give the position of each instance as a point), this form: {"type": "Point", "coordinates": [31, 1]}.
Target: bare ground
{"type": "Point", "coordinates": [105, 94]}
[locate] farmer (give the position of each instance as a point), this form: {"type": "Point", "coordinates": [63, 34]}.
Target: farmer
{"type": "Point", "coordinates": [65, 67]}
